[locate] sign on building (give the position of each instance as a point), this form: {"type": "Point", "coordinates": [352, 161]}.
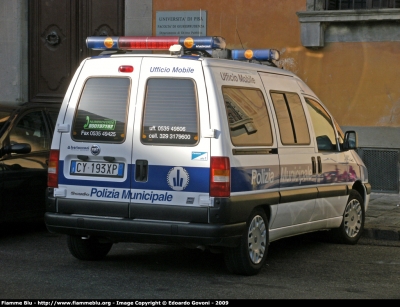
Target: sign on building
{"type": "Point", "coordinates": [180, 23]}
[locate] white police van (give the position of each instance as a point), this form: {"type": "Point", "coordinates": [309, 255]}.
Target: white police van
{"type": "Point", "coordinates": [204, 147]}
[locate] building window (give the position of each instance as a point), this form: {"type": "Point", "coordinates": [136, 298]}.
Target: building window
{"type": "Point", "coordinates": [349, 21]}
{"type": "Point", "coordinates": [360, 4]}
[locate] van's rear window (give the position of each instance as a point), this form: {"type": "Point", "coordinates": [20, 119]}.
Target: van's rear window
{"type": "Point", "coordinates": [102, 110]}
{"type": "Point", "coordinates": [170, 115]}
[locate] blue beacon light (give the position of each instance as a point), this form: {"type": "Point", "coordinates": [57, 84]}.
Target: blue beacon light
{"type": "Point", "coordinates": [202, 42]}
{"type": "Point", "coordinates": [154, 43]}
{"type": "Point", "coordinates": [255, 54]}
{"type": "Point", "coordinates": [102, 42]}
{"type": "Point", "coordinates": [190, 43]}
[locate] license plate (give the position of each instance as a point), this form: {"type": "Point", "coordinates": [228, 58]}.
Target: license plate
{"type": "Point", "coordinates": [102, 169]}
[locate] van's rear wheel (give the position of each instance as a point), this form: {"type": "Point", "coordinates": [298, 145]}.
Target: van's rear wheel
{"type": "Point", "coordinates": [87, 248]}
{"type": "Point", "coordinates": [352, 225]}
{"type": "Point", "coordinates": [249, 257]}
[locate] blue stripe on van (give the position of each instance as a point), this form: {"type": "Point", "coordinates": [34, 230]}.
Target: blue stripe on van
{"type": "Point", "coordinates": [160, 178]}
{"type": "Point", "coordinates": [198, 179]}
{"type": "Point", "coordinates": [254, 178]}
{"type": "Point", "coordinates": [291, 176]}
{"type": "Point", "coordinates": [242, 178]}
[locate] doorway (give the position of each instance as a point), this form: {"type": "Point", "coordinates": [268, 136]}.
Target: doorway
{"type": "Point", "coordinates": [57, 40]}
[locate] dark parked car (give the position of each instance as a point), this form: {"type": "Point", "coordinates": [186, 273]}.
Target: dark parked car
{"type": "Point", "coordinates": [25, 136]}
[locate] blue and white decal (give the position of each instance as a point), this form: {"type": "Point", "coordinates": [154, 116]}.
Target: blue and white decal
{"type": "Point", "coordinates": [262, 176]}
{"type": "Point", "coordinates": [293, 175]}
{"type": "Point", "coordinates": [199, 155]}
{"type": "Point", "coordinates": [112, 194]}
{"type": "Point", "coordinates": [144, 196]}
{"type": "Point", "coordinates": [254, 178]}
{"type": "Point", "coordinates": [199, 179]}
{"type": "Point", "coordinates": [178, 178]}
{"type": "Point", "coordinates": [150, 196]}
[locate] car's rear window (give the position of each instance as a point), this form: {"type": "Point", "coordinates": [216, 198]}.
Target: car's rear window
{"type": "Point", "coordinates": [4, 116]}
{"type": "Point", "coordinates": [170, 116]}
{"type": "Point", "coordinates": [102, 110]}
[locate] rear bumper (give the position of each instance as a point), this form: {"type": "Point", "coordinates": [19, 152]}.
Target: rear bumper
{"type": "Point", "coordinates": [145, 231]}
{"type": "Point", "coordinates": [221, 225]}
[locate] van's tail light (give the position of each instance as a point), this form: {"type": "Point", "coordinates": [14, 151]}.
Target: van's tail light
{"type": "Point", "coordinates": [220, 177]}
{"type": "Point", "coordinates": [52, 171]}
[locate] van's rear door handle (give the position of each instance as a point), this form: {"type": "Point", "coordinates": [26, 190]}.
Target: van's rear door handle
{"type": "Point", "coordinates": [141, 170]}
{"type": "Point", "coordinates": [319, 165]}
{"type": "Point", "coordinates": [314, 165]}
{"type": "Point", "coordinates": [63, 128]}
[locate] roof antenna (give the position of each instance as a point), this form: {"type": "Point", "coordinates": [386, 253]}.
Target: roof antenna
{"type": "Point", "coordinates": [239, 38]}
{"type": "Point", "coordinates": [238, 34]}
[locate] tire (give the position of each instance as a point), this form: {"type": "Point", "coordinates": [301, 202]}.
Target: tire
{"type": "Point", "coordinates": [249, 257]}
{"type": "Point", "coordinates": [87, 249]}
{"type": "Point", "coordinates": [352, 225]}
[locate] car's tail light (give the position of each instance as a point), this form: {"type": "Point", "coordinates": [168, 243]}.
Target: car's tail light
{"type": "Point", "coordinates": [220, 177]}
{"type": "Point", "coordinates": [52, 171]}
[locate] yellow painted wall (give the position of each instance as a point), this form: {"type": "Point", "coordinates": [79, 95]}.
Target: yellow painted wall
{"type": "Point", "coordinates": [358, 82]}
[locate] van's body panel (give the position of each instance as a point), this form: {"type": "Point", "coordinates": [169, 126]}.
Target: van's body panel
{"type": "Point", "coordinates": [158, 189]}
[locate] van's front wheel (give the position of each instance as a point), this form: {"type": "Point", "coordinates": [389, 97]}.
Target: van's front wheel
{"type": "Point", "coordinates": [249, 257]}
{"type": "Point", "coordinates": [352, 225]}
{"type": "Point", "coordinates": [87, 248]}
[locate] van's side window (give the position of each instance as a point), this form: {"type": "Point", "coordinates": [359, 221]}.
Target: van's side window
{"type": "Point", "coordinates": [323, 126]}
{"type": "Point", "coordinates": [248, 117]}
{"type": "Point", "coordinates": [170, 113]}
{"type": "Point", "coordinates": [102, 109]}
{"type": "Point", "coordinates": [291, 119]}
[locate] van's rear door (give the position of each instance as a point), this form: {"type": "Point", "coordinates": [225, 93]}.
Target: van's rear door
{"type": "Point", "coordinates": [171, 145]}
{"type": "Point", "coordinates": [96, 143]}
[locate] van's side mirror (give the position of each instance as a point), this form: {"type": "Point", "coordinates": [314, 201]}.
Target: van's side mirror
{"type": "Point", "coordinates": [350, 140]}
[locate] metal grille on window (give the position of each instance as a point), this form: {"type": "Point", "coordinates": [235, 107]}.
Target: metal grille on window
{"type": "Point", "coordinates": [383, 169]}
{"type": "Point", "coordinates": [360, 4]}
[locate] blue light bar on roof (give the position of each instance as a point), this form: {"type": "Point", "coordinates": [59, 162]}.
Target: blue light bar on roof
{"type": "Point", "coordinates": [102, 42]}
{"type": "Point", "coordinates": [202, 42]}
{"type": "Point", "coordinates": [154, 42]}
{"type": "Point", "coordinates": [255, 54]}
